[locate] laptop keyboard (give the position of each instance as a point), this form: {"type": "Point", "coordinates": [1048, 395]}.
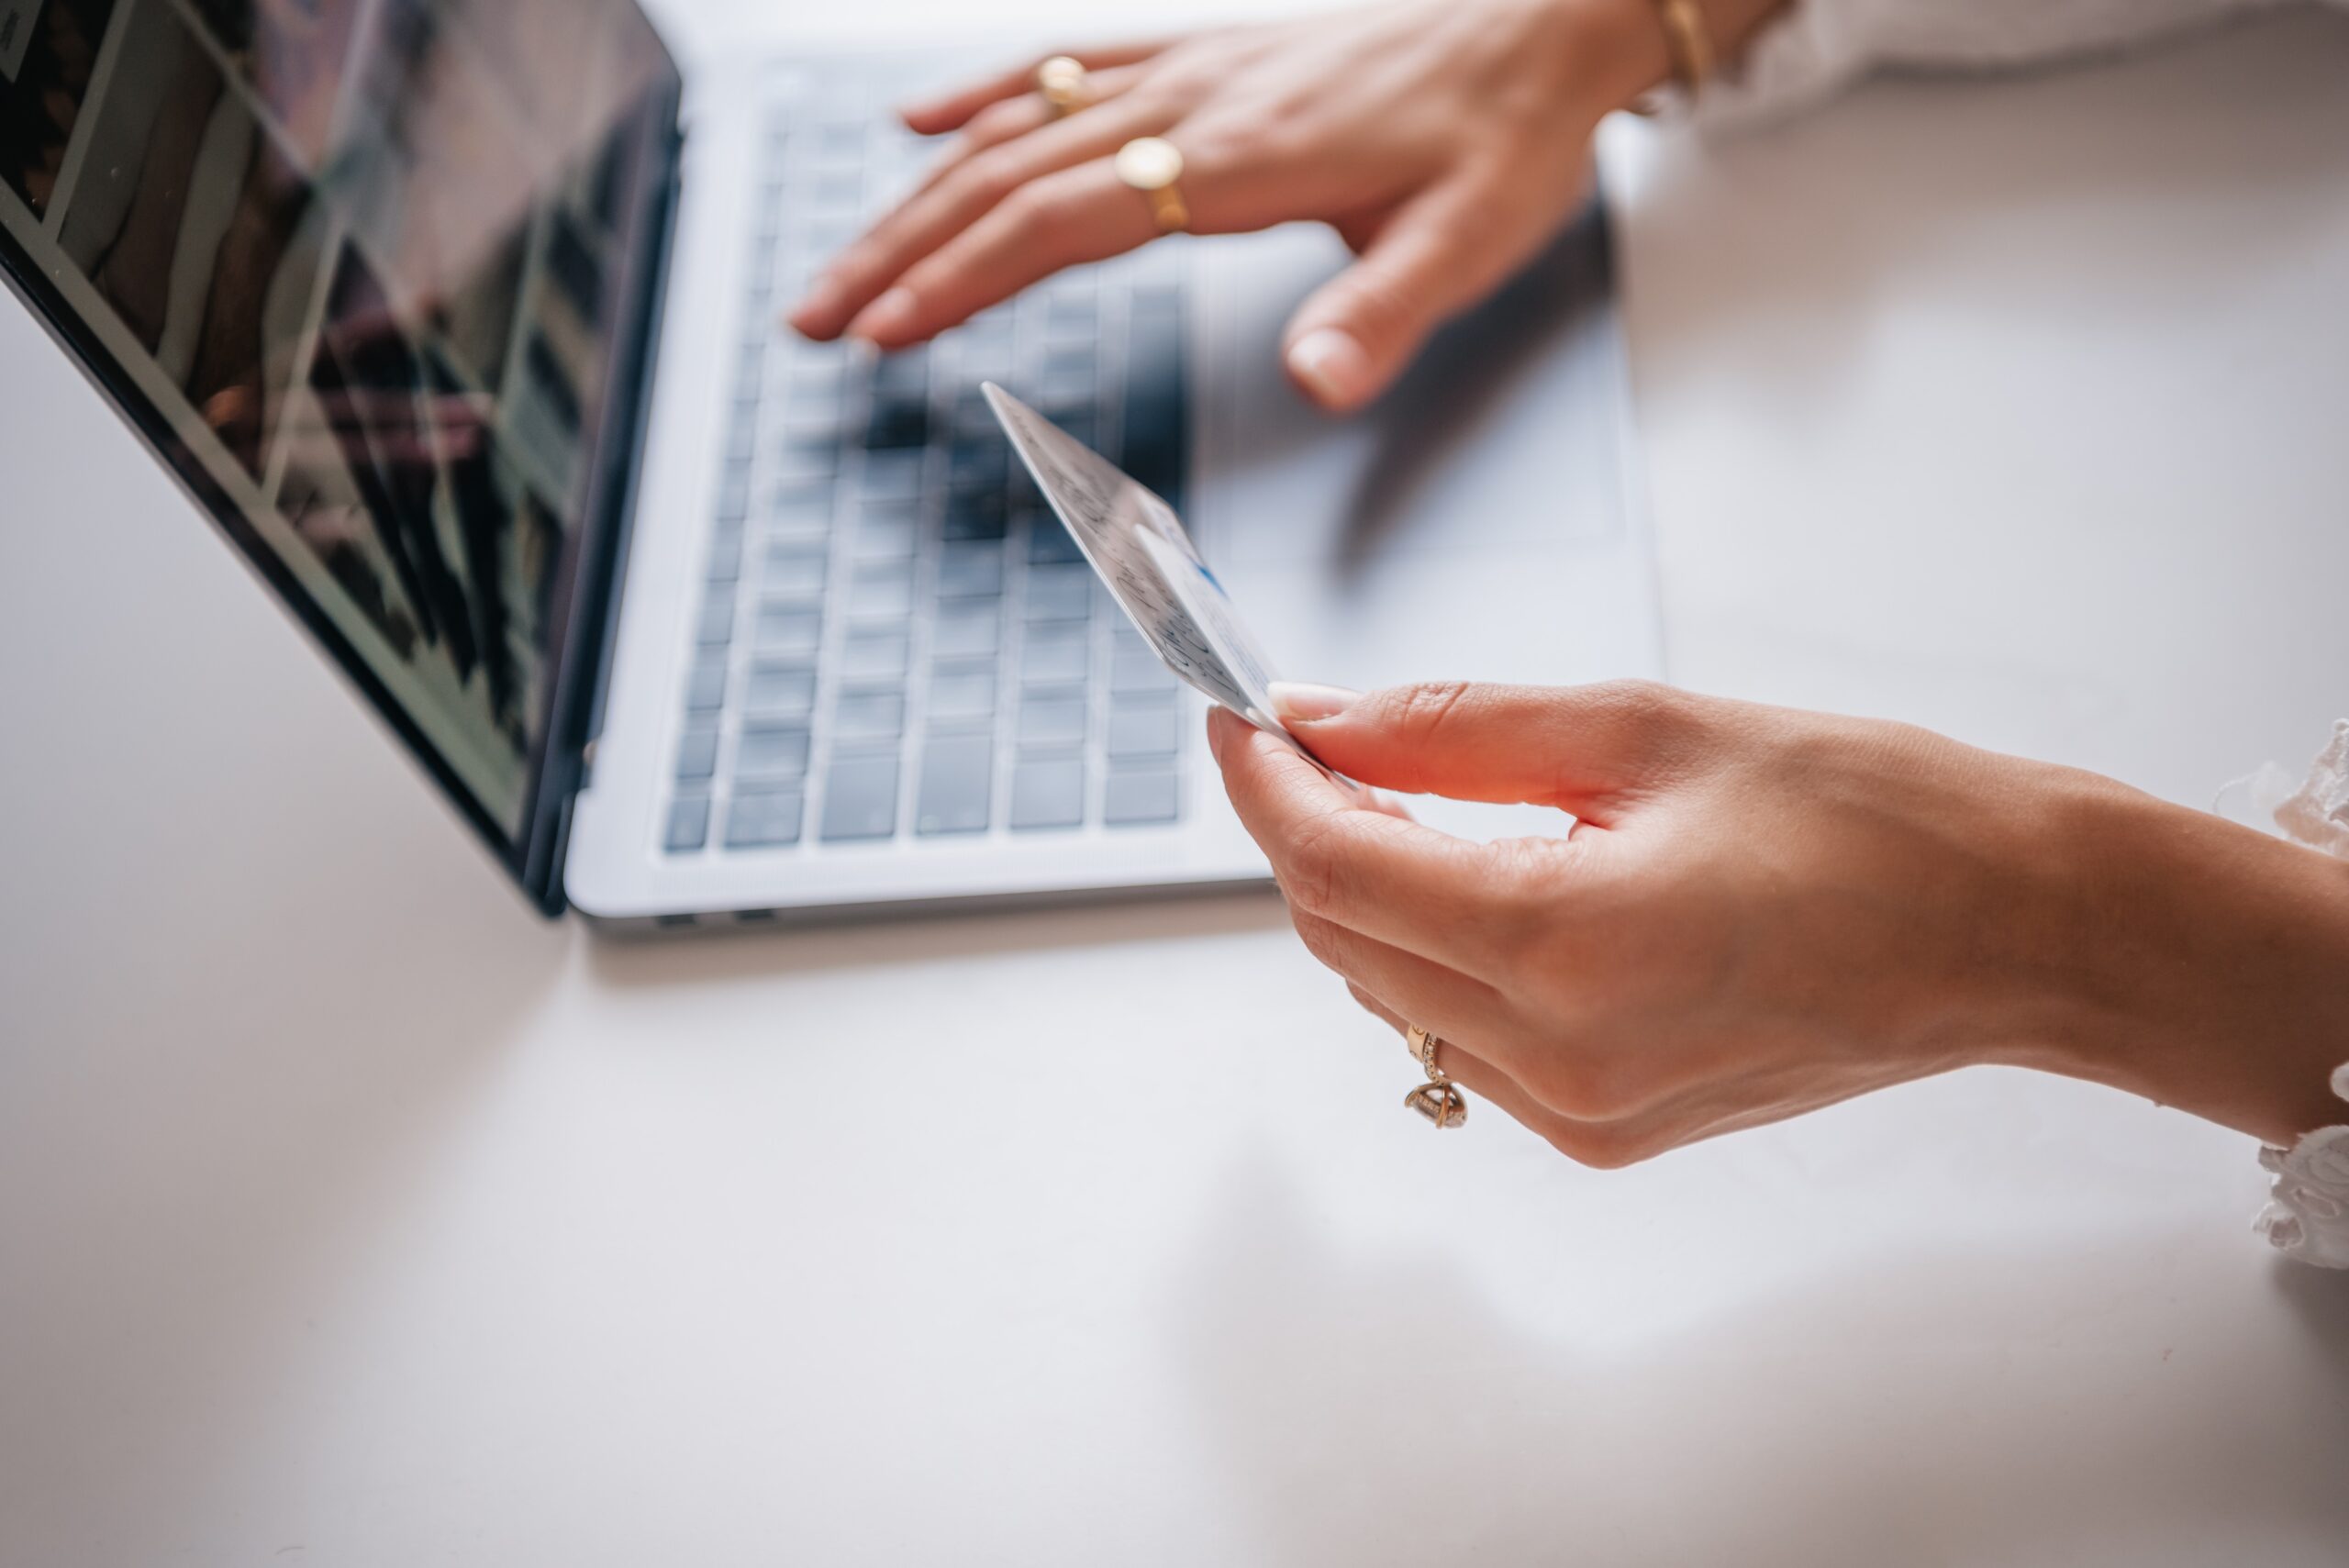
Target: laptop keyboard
{"type": "Point", "coordinates": [897, 640]}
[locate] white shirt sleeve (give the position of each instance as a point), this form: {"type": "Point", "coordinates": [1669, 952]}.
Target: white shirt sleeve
{"type": "Point", "coordinates": [1820, 46]}
{"type": "Point", "coordinates": [2308, 1215]}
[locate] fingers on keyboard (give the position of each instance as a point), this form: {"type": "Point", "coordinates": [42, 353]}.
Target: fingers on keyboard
{"type": "Point", "coordinates": [894, 634]}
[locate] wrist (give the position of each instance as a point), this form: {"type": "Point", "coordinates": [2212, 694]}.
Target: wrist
{"type": "Point", "coordinates": [1625, 50]}
{"type": "Point", "coordinates": [2201, 964]}
{"type": "Point", "coordinates": [1618, 49]}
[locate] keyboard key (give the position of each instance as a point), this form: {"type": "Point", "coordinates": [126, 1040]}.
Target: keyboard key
{"type": "Point", "coordinates": [781, 691]}
{"type": "Point", "coordinates": [882, 590]}
{"type": "Point", "coordinates": [1055, 655]}
{"type": "Point", "coordinates": [706, 687]}
{"type": "Point", "coordinates": [1061, 410]}
{"type": "Point", "coordinates": [956, 773]}
{"type": "Point", "coordinates": [1060, 593]}
{"type": "Point", "coordinates": [1134, 670]}
{"type": "Point", "coordinates": [810, 405]}
{"type": "Point", "coordinates": [725, 554]}
{"type": "Point", "coordinates": [688, 824]}
{"type": "Point", "coordinates": [1048, 543]}
{"type": "Point", "coordinates": [1068, 362]}
{"type": "Point", "coordinates": [807, 455]}
{"type": "Point", "coordinates": [788, 628]}
{"type": "Point", "coordinates": [874, 655]}
{"type": "Point", "coordinates": [970, 570]}
{"type": "Point", "coordinates": [976, 514]}
{"type": "Point", "coordinates": [967, 629]}
{"type": "Point", "coordinates": [772, 748]}
{"type": "Point", "coordinates": [734, 498]}
{"type": "Point", "coordinates": [897, 424]}
{"type": "Point", "coordinates": [902, 375]}
{"type": "Point", "coordinates": [892, 475]}
{"type": "Point", "coordinates": [762, 816]}
{"type": "Point", "coordinates": [1067, 388]}
{"type": "Point", "coordinates": [972, 421]}
{"type": "Point", "coordinates": [816, 375]}
{"type": "Point", "coordinates": [1071, 319]}
{"type": "Point", "coordinates": [697, 754]}
{"type": "Point", "coordinates": [962, 697]}
{"type": "Point", "coordinates": [983, 463]}
{"type": "Point", "coordinates": [1048, 793]}
{"type": "Point", "coordinates": [863, 717]}
{"type": "Point", "coordinates": [860, 798]}
{"type": "Point", "coordinates": [1145, 731]}
{"type": "Point", "coordinates": [1051, 719]}
{"type": "Point", "coordinates": [800, 505]}
{"type": "Point", "coordinates": [885, 530]}
{"type": "Point", "coordinates": [990, 359]}
{"type": "Point", "coordinates": [795, 570]}
{"type": "Point", "coordinates": [1157, 435]}
{"type": "Point", "coordinates": [1134, 799]}
{"type": "Point", "coordinates": [988, 332]}
{"type": "Point", "coordinates": [716, 623]}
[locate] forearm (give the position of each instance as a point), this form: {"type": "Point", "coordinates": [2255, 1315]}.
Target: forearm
{"type": "Point", "coordinates": [2209, 965]}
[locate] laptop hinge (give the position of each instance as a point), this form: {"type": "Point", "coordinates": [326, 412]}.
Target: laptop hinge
{"type": "Point", "coordinates": [580, 690]}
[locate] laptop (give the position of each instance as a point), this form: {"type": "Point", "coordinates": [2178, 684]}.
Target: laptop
{"type": "Point", "coordinates": [460, 318]}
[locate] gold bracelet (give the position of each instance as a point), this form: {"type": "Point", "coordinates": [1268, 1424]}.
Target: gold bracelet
{"type": "Point", "coordinates": [1689, 42]}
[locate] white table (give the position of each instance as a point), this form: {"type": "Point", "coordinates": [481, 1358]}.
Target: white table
{"type": "Point", "coordinates": [350, 1215]}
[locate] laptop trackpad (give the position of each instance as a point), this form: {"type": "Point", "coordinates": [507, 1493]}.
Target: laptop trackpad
{"type": "Point", "coordinates": [1472, 522]}
{"type": "Point", "coordinates": [1503, 432]}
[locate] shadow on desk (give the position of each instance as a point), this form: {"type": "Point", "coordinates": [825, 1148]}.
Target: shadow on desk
{"type": "Point", "coordinates": [752, 952]}
{"type": "Point", "coordinates": [1950, 1405]}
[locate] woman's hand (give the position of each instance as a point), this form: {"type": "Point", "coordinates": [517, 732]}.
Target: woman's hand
{"type": "Point", "coordinates": [1445, 139]}
{"type": "Point", "coordinates": [1759, 912]}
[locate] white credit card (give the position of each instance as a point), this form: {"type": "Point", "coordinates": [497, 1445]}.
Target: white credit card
{"type": "Point", "coordinates": [1137, 545]}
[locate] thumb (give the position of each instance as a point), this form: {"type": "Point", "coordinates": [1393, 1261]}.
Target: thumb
{"type": "Point", "coordinates": [1575, 748]}
{"type": "Point", "coordinates": [1439, 252]}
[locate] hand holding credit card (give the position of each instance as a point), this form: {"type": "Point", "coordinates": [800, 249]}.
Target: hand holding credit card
{"type": "Point", "coordinates": [1139, 547]}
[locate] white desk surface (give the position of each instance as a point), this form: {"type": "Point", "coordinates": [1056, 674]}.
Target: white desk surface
{"type": "Point", "coordinates": [349, 1214]}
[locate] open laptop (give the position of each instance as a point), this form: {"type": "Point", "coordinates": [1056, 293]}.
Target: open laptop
{"type": "Point", "coordinates": [460, 318]}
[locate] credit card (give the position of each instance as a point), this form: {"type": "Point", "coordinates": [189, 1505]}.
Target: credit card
{"type": "Point", "coordinates": [1139, 547]}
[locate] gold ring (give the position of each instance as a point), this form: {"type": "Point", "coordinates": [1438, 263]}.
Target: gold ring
{"type": "Point", "coordinates": [1061, 81]}
{"type": "Point", "coordinates": [1153, 165]}
{"type": "Point", "coordinates": [1439, 1099]}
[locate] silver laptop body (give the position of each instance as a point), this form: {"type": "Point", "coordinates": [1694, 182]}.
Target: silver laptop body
{"type": "Point", "coordinates": [1482, 522]}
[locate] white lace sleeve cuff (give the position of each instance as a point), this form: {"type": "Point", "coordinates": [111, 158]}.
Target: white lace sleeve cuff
{"type": "Point", "coordinates": [2308, 1215]}
{"type": "Point", "coordinates": [1819, 46]}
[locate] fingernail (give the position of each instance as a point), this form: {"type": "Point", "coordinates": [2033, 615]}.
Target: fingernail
{"type": "Point", "coordinates": [815, 312]}
{"type": "Point", "coordinates": [1302, 702]}
{"type": "Point", "coordinates": [1331, 364]}
{"type": "Point", "coordinates": [891, 316]}
{"type": "Point", "coordinates": [1214, 737]}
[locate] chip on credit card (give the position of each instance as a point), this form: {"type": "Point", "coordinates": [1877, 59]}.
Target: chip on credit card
{"type": "Point", "coordinates": [1139, 547]}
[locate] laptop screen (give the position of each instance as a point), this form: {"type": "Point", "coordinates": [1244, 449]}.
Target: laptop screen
{"type": "Point", "coordinates": [359, 269]}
